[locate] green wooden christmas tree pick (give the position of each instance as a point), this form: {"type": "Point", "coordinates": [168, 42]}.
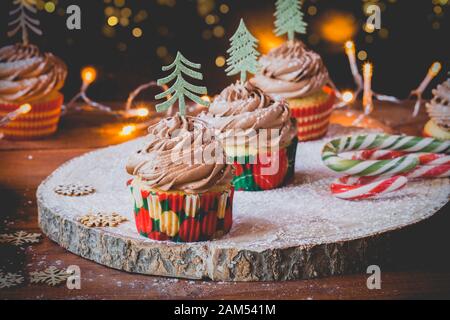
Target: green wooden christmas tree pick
{"type": "Point", "coordinates": [289, 18]}
{"type": "Point", "coordinates": [243, 54]}
{"type": "Point", "coordinates": [181, 88]}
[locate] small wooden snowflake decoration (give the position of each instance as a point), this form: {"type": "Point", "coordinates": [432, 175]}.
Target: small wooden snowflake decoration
{"type": "Point", "coordinates": [9, 280]}
{"type": "Point", "coordinates": [102, 220]}
{"type": "Point", "coordinates": [74, 190]}
{"type": "Point", "coordinates": [20, 238]}
{"type": "Point", "coordinates": [51, 276]}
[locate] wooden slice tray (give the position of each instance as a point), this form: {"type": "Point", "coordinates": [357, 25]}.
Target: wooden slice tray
{"type": "Point", "coordinates": [297, 232]}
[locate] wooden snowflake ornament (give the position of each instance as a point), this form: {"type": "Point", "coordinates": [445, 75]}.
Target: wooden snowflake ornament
{"type": "Point", "coordinates": [74, 190]}
{"type": "Point", "coordinates": [9, 280]}
{"type": "Point", "coordinates": [51, 276]}
{"type": "Point", "coordinates": [243, 54]}
{"type": "Point", "coordinates": [181, 88]}
{"type": "Point", "coordinates": [20, 238]}
{"type": "Point", "coordinates": [102, 220]}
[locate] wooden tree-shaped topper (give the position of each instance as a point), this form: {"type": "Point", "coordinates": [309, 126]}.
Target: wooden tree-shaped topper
{"type": "Point", "coordinates": [289, 18]}
{"type": "Point", "coordinates": [243, 54]}
{"type": "Point", "coordinates": [181, 87]}
{"type": "Point", "coordinates": [23, 21]}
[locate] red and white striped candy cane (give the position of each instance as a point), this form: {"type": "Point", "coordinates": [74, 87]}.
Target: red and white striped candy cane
{"type": "Point", "coordinates": [383, 163]}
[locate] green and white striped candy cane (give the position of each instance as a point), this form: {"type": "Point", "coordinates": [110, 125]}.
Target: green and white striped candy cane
{"type": "Point", "coordinates": [413, 147]}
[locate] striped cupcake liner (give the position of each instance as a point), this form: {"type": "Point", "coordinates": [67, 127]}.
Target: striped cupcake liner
{"type": "Point", "coordinates": [40, 122]}
{"type": "Point", "coordinates": [181, 217]}
{"type": "Point", "coordinates": [312, 119]}
{"type": "Point", "coordinates": [249, 170]}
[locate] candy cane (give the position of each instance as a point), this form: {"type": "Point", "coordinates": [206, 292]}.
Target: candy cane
{"type": "Point", "coordinates": [383, 163]}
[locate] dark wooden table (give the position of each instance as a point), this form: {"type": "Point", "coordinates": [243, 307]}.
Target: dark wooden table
{"type": "Point", "coordinates": [419, 266]}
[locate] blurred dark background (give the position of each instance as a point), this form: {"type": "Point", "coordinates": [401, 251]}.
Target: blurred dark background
{"type": "Point", "coordinates": [129, 40]}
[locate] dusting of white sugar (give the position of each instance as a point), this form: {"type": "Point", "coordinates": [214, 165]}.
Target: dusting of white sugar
{"type": "Point", "coordinates": [301, 214]}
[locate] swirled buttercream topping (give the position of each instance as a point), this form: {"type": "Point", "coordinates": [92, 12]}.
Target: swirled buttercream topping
{"type": "Point", "coordinates": [291, 71]}
{"type": "Point", "coordinates": [181, 154]}
{"type": "Point", "coordinates": [439, 107]}
{"type": "Point", "coordinates": [243, 109]}
{"type": "Point", "coordinates": [27, 74]}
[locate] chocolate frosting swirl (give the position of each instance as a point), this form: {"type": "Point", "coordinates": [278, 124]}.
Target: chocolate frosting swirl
{"type": "Point", "coordinates": [291, 71]}
{"type": "Point", "coordinates": [244, 107]}
{"type": "Point", "coordinates": [167, 162]}
{"type": "Point", "coordinates": [439, 107]}
{"type": "Point", "coordinates": [27, 74]}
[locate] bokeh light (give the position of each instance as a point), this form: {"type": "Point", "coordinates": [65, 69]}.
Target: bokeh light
{"type": "Point", "coordinates": [337, 27]}
{"type": "Point", "coordinates": [113, 21]}
{"type": "Point", "coordinates": [137, 32]}
{"type": "Point", "coordinates": [49, 7]}
{"type": "Point", "coordinates": [220, 61]}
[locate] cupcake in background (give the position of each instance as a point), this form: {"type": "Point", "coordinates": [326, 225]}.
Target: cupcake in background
{"type": "Point", "coordinates": [245, 118]}
{"type": "Point", "coordinates": [297, 74]}
{"type": "Point", "coordinates": [179, 194]}
{"type": "Point", "coordinates": [28, 76]}
{"type": "Point", "coordinates": [439, 111]}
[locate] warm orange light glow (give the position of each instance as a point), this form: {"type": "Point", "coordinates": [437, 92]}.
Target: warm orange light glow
{"type": "Point", "coordinates": [25, 108]}
{"type": "Point", "coordinates": [337, 27]}
{"type": "Point", "coordinates": [435, 68]}
{"type": "Point", "coordinates": [206, 98]}
{"type": "Point", "coordinates": [262, 30]}
{"type": "Point", "coordinates": [347, 96]}
{"type": "Point", "coordinates": [88, 74]}
{"type": "Point", "coordinates": [267, 40]}
{"type": "Point", "coordinates": [127, 130]}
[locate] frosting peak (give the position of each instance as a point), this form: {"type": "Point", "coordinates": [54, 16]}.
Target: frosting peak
{"type": "Point", "coordinates": [291, 71]}
{"type": "Point", "coordinates": [27, 74]}
{"type": "Point", "coordinates": [176, 157]}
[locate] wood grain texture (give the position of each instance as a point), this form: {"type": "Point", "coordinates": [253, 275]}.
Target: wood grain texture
{"type": "Point", "coordinates": [303, 240]}
{"type": "Point", "coordinates": [418, 266]}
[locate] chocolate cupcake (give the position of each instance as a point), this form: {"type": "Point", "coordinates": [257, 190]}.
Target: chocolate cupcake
{"type": "Point", "coordinates": [181, 183]}
{"type": "Point", "coordinates": [258, 135]}
{"type": "Point", "coordinates": [28, 76]}
{"type": "Point", "coordinates": [297, 74]}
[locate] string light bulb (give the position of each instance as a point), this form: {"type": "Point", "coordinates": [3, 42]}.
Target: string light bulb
{"type": "Point", "coordinates": [435, 69]}
{"type": "Point", "coordinates": [88, 75]}
{"type": "Point", "coordinates": [349, 47]}
{"type": "Point", "coordinates": [127, 130]}
{"type": "Point", "coordinates": [25, 108]}
{"type": "Point", "coordinates": [347, 96]}
{"type": "Point", "coordinates": [206, 98]}
{"type": "Point", "coordinates": [367, 95]}
{"type": "Point", "coordinates": [432, 72]}
{"type": "Point", "coordinates": [142, 112]}
{"type": "Point", "coordinates": [367, 69]}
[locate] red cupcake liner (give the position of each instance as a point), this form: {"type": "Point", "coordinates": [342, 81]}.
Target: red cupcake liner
{"type": "Point", "coordinates": [41, 121]}
{"type": "Point", "coordinates": [313, 121]}
{"type": "Point", "coordinates": [181, 217]}
{"type": "Point", "coordinates": [250, 173]}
